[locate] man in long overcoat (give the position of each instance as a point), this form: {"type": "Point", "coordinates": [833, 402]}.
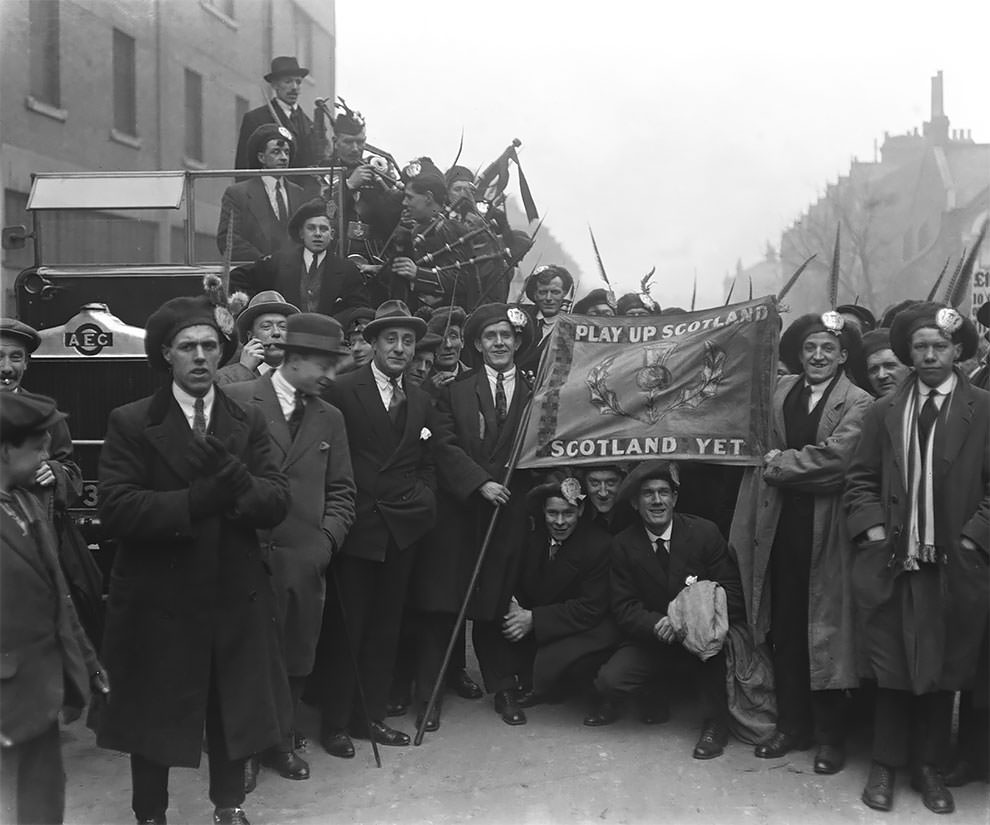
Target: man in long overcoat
{"type": "Point", "coordinates": [310, 442]}
{"type": "Point", "coordinates": [789, 534]}
{"type": "Point", "coordinates": [918, 502]}
{"type": "Point", "coordinates": [187, 477]}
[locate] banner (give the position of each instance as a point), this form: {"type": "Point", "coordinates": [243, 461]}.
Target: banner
{"type": "Point", "coordinates": [695, 386]}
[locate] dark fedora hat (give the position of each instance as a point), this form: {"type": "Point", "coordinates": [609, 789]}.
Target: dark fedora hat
{"type": "Point", "coordinates": [487, 314]}
{"type": "Point", "coordinates": [313, 332]}
{"type": "Point", "coordinates": [23, 413]}
{"type": "Point", "coordinates": [315, 208]}
{"type": "Point", "coordinates": [175, 315]}
{"type": "Point", "coordinates": [646, 471]}
{"type": "Point", "coordinates": [393, 313]}
{"type": "Point", "coordinates": [950, 322]}
{"type": "Point", "coordinates": [20, 331]}
{"type": "Point", "coordinates": [259, 140]}
{"type": "Point", "coordinates": [264, 303]}
{"type": "Point", "coordinates": [285, 67]}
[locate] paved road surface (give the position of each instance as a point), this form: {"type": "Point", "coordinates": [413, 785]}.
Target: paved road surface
{"type": "Point", "coordinates": [478, 770]}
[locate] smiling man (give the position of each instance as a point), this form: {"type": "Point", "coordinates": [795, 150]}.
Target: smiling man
{"type": "Point", "coordinates": [603, 507]}
{"type": "Point", "coordinates": [652, 561]}
{"type": "Point", "coordinates": [797, 557]}
{"type": "Point", "coordinates": [918, 504]}
{"type": "Point", "coordinates": [547, 288]}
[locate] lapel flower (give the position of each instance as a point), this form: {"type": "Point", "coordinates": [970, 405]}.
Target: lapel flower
{"type": "Point", "coordinates": [324, 446]}
{"type": "Point", "coordinates": [690, 580]}
{"type": "Point", "coordinates": [424, 434]}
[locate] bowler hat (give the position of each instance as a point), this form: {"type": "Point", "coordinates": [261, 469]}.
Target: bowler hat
{"type": "Point", "coordinates": [487, 314]}
{"type": "Point", "coordinates": [952, 324]}
{"type": "Point", "coordinates": [312, 331]}
{"type": "Point", "coordinates": [259, 140]}
{"type": "Point", "coordinates": [545, 274]}
{"type": "Point", "coordinates": [594, 298]}
{"type": "Point", "coordinates": [315, 208]}
{"type": "Point", "coordinates": [177, 314]}
{"type": "Point", "coordinates": [646, 471]}
{"type": "Point", "coordinates": [867, 320]}
{"type": "Point", "coordinates": [285, 67]}
{"type": "Point", "coordinates": [28, 336]}
{"type": "Point", "coordinates": [793, 337]}
{"type": "Point", "coordinates": [23, 413]}
{"type": "Point", "coordinates": [264, 303]}
{"type": "Point", "coordinates": [393, 313]}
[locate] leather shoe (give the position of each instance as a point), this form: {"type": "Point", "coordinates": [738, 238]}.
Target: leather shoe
{"type": "Point", "coordinates": [605, 711]}
{"type": "Point", "coordinates": [337, 743]}
{"type": "Point", "coordinates": [251, 767]}
{"type": "Point", "coordinates": [230, 816]}
{"type": "Point", "coordinates": [382, 733]}
{"type": "Point", "coordinates": [879, 791]}
{"type": "Point", "coordinates": [432, 721]}
{"type": "Point", "coordinates": [155, 820]}
{"type": "Point", "coordinates": [962, 773]}
{"type": "Point", "coordinates": [830, 759]}
{"type": "Point", "coordinates": [463, 685]}
{"type": "Point", "coordinates": [714, 737]}
{"type": "Point", "coordinates": [299, 742]}
{"type": "Point", "coordinates": [508, 708]}
{"type": "Point", "coordinates": [655, 712]}
{"type": "Point", "coordinates": [934, 794]}
{"type": "Point", "coordinates": [528, 698]}
{"type": "Point", "coordinates": [287, 763]}
{"type": "Point", "coordinates": [780, 744]}
{"type": "Point", "coordinates": [397, 708]}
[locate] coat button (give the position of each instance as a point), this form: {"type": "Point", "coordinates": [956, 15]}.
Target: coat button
{"type": "Point", "coordinates": [893, 499]}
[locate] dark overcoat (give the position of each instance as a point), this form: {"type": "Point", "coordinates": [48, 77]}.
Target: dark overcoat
{"type": "Point", "coordinates": [643, 583]}
{"type": "Point", "coordinates": [569, 597]}
{"type": "Point", "coordinates": [819, 469]}
{"type": "Point", "coordinates": [188, 596]}
{"type": "Point", "coordinates": [449, 555]}
{"type": "Point", "coordinates": [256, 230]}
{"type": "Point", "coordinates": [317, 463]}
{"type": "Point", "coordinates": [922, 630]}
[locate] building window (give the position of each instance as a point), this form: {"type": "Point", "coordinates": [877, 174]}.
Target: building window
{"type": "Point", "coordinates": [124, 84]}
{"type": "Point", "coordinates": [43, 34]}
{"type": "Point", "coordinates": [303, 28]}
{"type": "Point", "coordinates": [194, 115]}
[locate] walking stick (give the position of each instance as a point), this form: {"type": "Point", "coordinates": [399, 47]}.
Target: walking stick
{"type": "Point", "coordinates": [509, 470]}
{"type": "Point", "coordinates": [357, 672]}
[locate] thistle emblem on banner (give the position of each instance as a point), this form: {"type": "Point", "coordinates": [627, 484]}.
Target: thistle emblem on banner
{"type": "Point", "coordinates": [654, 390]}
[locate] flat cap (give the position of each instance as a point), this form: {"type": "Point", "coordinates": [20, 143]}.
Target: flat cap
{"type": "Point", "coordinates": [28, 336]}
{"type": "Point", "coordinates": [23, 413]}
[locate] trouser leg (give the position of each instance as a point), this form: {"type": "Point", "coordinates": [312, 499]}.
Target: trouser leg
{"type": "Point", "coordinates": [458, 656]}
{"type": "Point", "coordinates": [630, 669]}
{"type": "Point", "coordinates": [790, 570]}
{"type": "Point", "coordinates": [433, 636]}
{"type": "Point", "coordinates": [712, 688]}
{"type": "Point", "coordinates": [829, 711]}
{"type": "Point", "coordinates": [149, 787]}
{"type": "Point", "coordinates": [407, 656]}
{"type": "Point", "coordinates": [33, 783]}
{"type": "Point", "coordinates": [296, 686]}
{"type": "Point", "coordinates": [932, 727]}
{"type": "Point", "coordinates": [226, 774]}
{"type": "Point", "coordinates": [974, 732]}
{"type": "Point", "coordinates": [892, 727]}
{"type": "Point", "coordinates": [495, 656]}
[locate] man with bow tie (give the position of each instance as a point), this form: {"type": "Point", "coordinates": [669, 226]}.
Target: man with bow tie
{"type": "Point", "coordinates": [652, 561]}
{"type": "Point", "coordinates": [309, 441]}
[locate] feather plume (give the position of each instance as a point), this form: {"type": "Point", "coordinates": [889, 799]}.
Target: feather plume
{"type": "Point", "coordinates": [938, 281]}
{"type": "Point", "coordinates": [793, 279]}
{"type": "Point", "coordinates": [237, 302]}
{"type": "Point", "coordinates": [694, 290]}
{"type": "Point", "coordinates": [644, 284]}
{"type": "Point", "coordinates": [214, 290]}
{"type": "Point", "coordinates": [951, 283]}
{"type": "Point", "coordinates": [732, 288]}
{"type": "Point", "coordinates": [833, 276]}
{"type": "Point", "coordinates": [598, 258]}
{"type": "Point", "coordinates": [460, 148]}
{"type": "Point", "coordinates": [750, 287]}
{"type": "Point", "coordinates": [955, 296]}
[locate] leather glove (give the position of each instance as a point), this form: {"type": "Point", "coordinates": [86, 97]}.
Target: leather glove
{"type": "Point", "coordinates": [234, 477]}
{"type": "Point", "coordinates": [207, 497]}
{"type": "Point", "coordinates": [204, 455]}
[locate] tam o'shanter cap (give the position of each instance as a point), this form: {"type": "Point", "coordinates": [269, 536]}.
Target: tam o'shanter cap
{"type": "Point", "coordinates": [629, 301]}
{"type": "Point", "coordinates": [429, 342]}
{"type": "Point", "coordinates": [875, 341]}
{"type": "Point", "coordinates": [264, 303]}
{"type": "Point", "coordinates": [285, 67]}
{"type": "Point", "coordinates": [950, 322]}
{"type": "Point", "coordinates": [646, 471]}
{"type": "Point", "coordinates": [393, 313]}
{"type": "Point", "coordinates": [866, 318]}
{"type": "Point", "coordinates": [314, 332]}
{"type": "Point", "coordinates": [488, 314]}
{"type": "Point", "coordinates": [439, 322]}
{"type": "Point", "coordinates": [179, 313]}
{"type": "Point", "coordinates": [594, 298]}
{"type": "Point", "coordinates": [315, 208]}
{"type": "Point", "coordinates": [259, 140]}
{"type": "Point", "coordinates": [23, 413]}
{"type": "Point", "coordinates": [831, 322]}
{"type": "Point", "coordinates": [547, 273]}
{"type": "Point", "coordinates": [457, 173]}
{"type": "Point", "coordinates": [351, 317]}
{"type": "Point", "coordinates": [560, 484]}
{"type": "Point", "coordinates": [13, 328]}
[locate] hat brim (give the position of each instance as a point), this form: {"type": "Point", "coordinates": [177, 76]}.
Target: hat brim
{"type": "Point", "coordinates": [31, 342]}
{"type": "Point", "coordinates": [299, 72]}
{"type": "Point", "coordinates": [642, 472]}
{"type": "Point", "coordinates": [248, 315]}
{"type": "Point", "coordinates": [372, 328]}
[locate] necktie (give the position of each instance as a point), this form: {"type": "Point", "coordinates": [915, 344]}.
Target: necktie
{"type": "Point", "coordinates": [661, 547]}
{"type": "Point", "coordinates": [806, 398]}
{"type": "Point", "coordinates": [926, 419]}
{"type": "Point", "coordinates": [199, 417]}
{"type": "Point", "coordinates": [283, 210]}
{"type": "Point", "coordinates": [311, 287]}
{"type": "Point", "coordinates": [554, 547]}
{"type": "Point", "coordinates": [396, 401]}
{"type": "Point", "coordinates": [296, 416]}
{"type": "Point", "coordinates": [501, 404]}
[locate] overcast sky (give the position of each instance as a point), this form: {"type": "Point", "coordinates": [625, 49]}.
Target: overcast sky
{"type": "Point", "coordinates": [686, 138]}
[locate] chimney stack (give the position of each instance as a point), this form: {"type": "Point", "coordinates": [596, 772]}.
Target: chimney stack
{"type": "Point", "coordinates": [938, 109]}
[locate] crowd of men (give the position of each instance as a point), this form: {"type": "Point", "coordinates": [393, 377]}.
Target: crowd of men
{"type": "Point", "coordinates": [300, 513]}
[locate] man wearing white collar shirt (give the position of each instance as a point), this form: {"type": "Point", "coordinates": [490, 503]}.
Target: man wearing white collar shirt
{"type": "Point", "coordinates": [918, 504]}
{"type": "Point", "coordinates": [547, 288]}
{"type": "Point", "coordinates": [796, 559]}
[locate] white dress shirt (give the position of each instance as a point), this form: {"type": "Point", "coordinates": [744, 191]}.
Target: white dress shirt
{"type": "Point", "coordinates": [944, 390]}
{"type": "Point", "coordinates": [665, 535]}
{"type": "Point", "coordinates": [544, 325]}
{"type": "Point", "coordinates": [308, 258]}
{"type": "Point", "coordinates": [384, 385]}
{"type": "Point", "coordinates": [284, 392]}
{"type": "Point", "coordinates": [508, 383]}
{"type": "Point", "coordinates": [817, 391]}
{"type": "Point", "coordinates": [269, 184]}
{"type": "Point", "coordinates": [187, 403]}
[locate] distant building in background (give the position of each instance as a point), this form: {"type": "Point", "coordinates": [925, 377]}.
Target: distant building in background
{"type": "Point", "coordinates": [762, 278]}
{"type": "Point", "coordinates": [900, 218]}
{"type": "Point", "coordinates": [90, 85]}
